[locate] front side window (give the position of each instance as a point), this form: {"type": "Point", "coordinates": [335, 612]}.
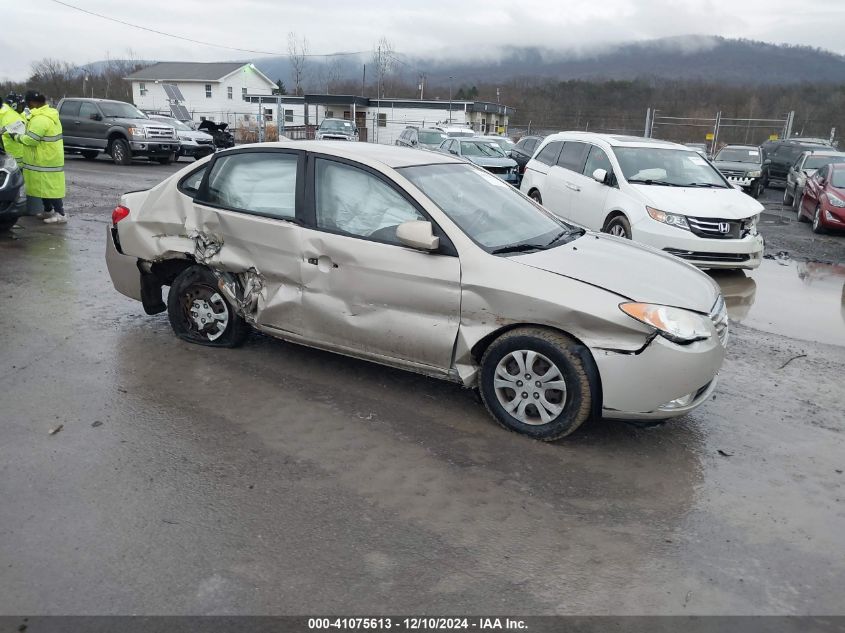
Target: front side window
{"type": "Point", "coordinates": [263, 183]}
{"type": "Point", "coordinates": [208, 91]}
{"type": "Point", "coordinates": [597, 159]}
{"type": "Point", "coordinates": [88, 110]}
{"type": "Point", "coordinates": [355, 202]}
{"type": "Point", "coordinates": [572, 156]}
{"type": "Point", "coordinates": [549, 154]}
{"type": "Point", "coordinates": [667, 167]}
{"type": "Point", "coordinates": [485, 207]}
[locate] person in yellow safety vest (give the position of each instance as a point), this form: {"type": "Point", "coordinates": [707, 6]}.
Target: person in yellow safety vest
{"type": "Point", "coordinates": [44, 157]}
{"type": "Point", "coordinates": [10, 111]}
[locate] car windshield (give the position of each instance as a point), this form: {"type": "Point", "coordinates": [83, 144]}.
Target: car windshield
{"type": "Point", "coordinates": [837, 179]}
{"type": "Point", "coordinates": [481, 148]}
{"type": "Point", "coordinates": [814, 162]}
{"type": "Point", "coordinates": [432, 138]}
{"type": "Point", "coordinates": [739, 155]}
{"type": "Point", "coordinates": [491, 212]}
{"type": "Point", "coordinates": [505, 144]}
{"type": "Point", "coordinates": [668, 167]}
{"type": "Point", "coordinates": [337, 126]}
{"type": "Point", "coordinates": [118, 110]}
{"type": "Point", "coordinates": [460, 133]}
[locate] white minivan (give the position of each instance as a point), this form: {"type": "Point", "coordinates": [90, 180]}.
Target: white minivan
{"type": "Point", "coordinates": [658, 193]}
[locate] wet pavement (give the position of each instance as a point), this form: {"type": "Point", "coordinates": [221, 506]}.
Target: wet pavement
{"type": "Point", "coordinates": [279, 479]}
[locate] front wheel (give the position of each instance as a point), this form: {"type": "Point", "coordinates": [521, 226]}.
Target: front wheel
{"type": "Point", "coordinates": [788, 198]}
{"type": "Point", "coordinates": [199, 314]}
{"type": "Point", "coordinates": [620, 227]}
{"type": "Point", "coordinates": [120, 153]}
{"type": "Point", "coordinates": [535, 196]}
{"type": "Point", "coordinates": [757, 189]}
{"type": "Point", "coordinates": [818, 228]}
{"type": "Point", "coordinates": [537, 382]}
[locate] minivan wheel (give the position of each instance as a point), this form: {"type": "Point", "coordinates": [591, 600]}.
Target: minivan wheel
{"type": "Point", "coordinates": [535, 196]}
{"type": "Point", "coordinates": [199, 314]}
{"type": "Point", "coordinates": [535, 382]}
{"type": "Point", "coordinates": [620, 227]}
{"type": "Point", "coordinates": [120, 153]}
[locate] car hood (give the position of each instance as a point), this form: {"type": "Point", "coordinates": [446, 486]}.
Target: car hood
{"type": "Point", "coordinates": [491, 161]}
{"type": "Point", "coordinates": [195, 135]}
{"type": "Point", "coordinates": [733, 166]}
{"type": "Point", "coordinates": [700, 202]}
{"type": "Point", "coordinates": [629, 270]}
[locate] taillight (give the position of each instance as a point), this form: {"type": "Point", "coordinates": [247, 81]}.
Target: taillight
{"type": "Point", "coordinates": [118, 214]}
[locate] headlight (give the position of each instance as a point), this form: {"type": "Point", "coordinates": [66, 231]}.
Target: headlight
{"type": "Point", "coordinates": [836, 201]}
{"type": "Point", "coordinates": [137, 132]}
{"type": "Point", "coordinates": [671, 219]}
{"type": "Point", "coordinates": [675, 324]}
{"type": "Point", "coordinates": [753, 174]}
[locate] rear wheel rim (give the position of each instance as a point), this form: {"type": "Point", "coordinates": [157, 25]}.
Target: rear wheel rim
{"type": "Point", "coordinates": [205, 311]}
{"type": "Point", "coordinates": [530, 387]}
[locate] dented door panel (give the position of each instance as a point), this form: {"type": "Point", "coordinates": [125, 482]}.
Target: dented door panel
{"type": "Point", "coordinates": [380, 298]}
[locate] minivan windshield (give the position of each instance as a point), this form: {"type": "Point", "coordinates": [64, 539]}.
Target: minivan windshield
{"type": "Point", "coordinates": [491, 212]}
{"type": "Point", "coordinates": [335, 125]}
{"type": "Point", "coordinates": [668, 167]}
{"type": "Point", "coordinates": [117, 110]}
{"type": "Point", "coordinates": [739, 155]}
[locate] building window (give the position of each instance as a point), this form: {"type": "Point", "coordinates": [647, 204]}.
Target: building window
{"type": "Point", "coordinates": [143, 88]}
{"type": "Point", "coordinates": [208, 91]}
{"type": "Point", "coordinates": [243, 92]}
{"type": "Point", "coordinates": [288, 116]}
{"type": "Point", "coordinates": [382, 120]}
{"type": "Point", "coordinates": [329, 114]}
{"type": "Point", "coordinates": [229, 92]}
{"type": "Point", "coordinates": [268, 114]}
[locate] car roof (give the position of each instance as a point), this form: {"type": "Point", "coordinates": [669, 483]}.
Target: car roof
{"type": "Point", "coordinates": [616, 140]}
{"type": "Point", "coordinates": [748, 147]}
{"type": "Point", "coordinates": [388, 155]}
{"type": "Point", "coordinates": [824, 152]}
{"type": "Point", "coordinates": [95, 100]}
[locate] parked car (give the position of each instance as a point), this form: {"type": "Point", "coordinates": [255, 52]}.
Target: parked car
{"type": "Point", "coordinates": [192, 143]}
{"type": "Point", "coordinates": [661, 194]}
{"type": "Point", "coordinates": [455, 277]}
{"type": "Point", "coordinates": [701, 148]}
{"type": "Point", "coordinates": [484, 154]}
{"type": "Point", "coordinates": [421, 138]}
{"type": "Point", "coordinates": [823, 199]}
{"type": "Point", "coordinates": [804, 167]}
{"type": "Point", "coordinates": [220, 133]}
{"type": "Point", "coordinates": [742, 165]}
{"type": "Point", "coordinates": [524, 150]}
{"type": "Point", "coordinates": [504, 143]}
{"type": "Point", "coordinates": [12, 195]}
{"type": "Point", "coordinates": [92, 126]}
{"type": "Point", "coordinates": [455, 130]}
{"type": "Point", "coordinates": [779, 156]}
{"type": "Point", "coordinates": [336, 130]}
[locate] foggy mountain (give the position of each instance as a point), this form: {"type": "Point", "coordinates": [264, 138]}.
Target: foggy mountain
{"type": "Point", "coordinates": [713, 59]}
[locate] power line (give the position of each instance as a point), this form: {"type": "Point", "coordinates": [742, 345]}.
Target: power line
{"type": "Point", "coordinates": [188, 39]}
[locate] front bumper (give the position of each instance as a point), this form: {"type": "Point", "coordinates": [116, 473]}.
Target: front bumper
{"type": "Point", "coordinates": [154, 148]}
{"type": "Point", "coordinates": [746, 252]}
{"type": "Point", "coordinates": [197, 150]}
{"type": "Point", "coordinates": [640, 386]}
{"type": "Point", "coordinates": [832, 217]}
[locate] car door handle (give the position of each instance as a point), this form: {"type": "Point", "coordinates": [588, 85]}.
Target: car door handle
{"type": "Point", "coordinates": [314, 261]}
{"type": "Point", "coordinates": [573, 187]}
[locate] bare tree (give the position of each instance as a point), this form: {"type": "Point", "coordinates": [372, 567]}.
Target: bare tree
{"type": "Point", "coordinates": [384, 60]}
{"type": "Point", "coordinates": [297, 53]}
{"type": "Point", "coordinates": [334, 73]}
{"type": "Point", "coordinates": [53, 77]}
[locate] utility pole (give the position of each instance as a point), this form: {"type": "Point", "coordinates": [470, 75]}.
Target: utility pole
{"type": "Point", "coordinates": [378, 92]}
{"type": "Point", "coordinates": [364, 82]}
{"type": "Point", "coordinates": [422, 85]}
{"type": "Point", "coordinates": [450, 100]}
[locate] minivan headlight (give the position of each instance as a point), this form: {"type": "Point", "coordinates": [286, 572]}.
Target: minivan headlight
{"type": "Point", "coordinates": [677, 325]}
{"type": "Point", "coordinates": [672, 219]}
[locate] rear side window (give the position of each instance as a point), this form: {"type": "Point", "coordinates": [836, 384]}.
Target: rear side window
{"type": "Point", "coordinates": [263, 183]}
{"type": "Point", "coordinates": [549, 154]}
{"type": "Point", "coordinates": [70, 108]}
{"type": "Point", "coordinates": [573, 155]}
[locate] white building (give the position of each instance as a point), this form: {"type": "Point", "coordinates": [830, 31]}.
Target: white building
{"type": "Point", "coordinates": [392, 115]}
{"type": "Point", "coordinates": [213, 91]}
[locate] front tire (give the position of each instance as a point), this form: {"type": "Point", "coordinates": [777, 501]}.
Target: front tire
{"type": "Point", "coordinates": [536, 382]}
{"type": "Point", "coordinates": [199, 314]}
{"type": "Point", "coordinates": [788, 198]}
{"type": "Point", "coordinates": [535, 196]}
{"type": "Point", "coordinates": [818, 228]}
{"type": "Point", "coordinates": [619, 226]}
{"type": "Point", "coordinates": [120, 153]}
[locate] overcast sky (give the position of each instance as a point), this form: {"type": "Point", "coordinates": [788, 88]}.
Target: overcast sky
{"type": "Point", "coordinates": [33, 29]}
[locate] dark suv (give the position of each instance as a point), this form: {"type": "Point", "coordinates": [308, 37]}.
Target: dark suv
{"type": "Point", "coordinates": [779, 156]}
{"type": "Point", "coordinates": [91, 126]}
{"type": "Point", "coordinates": [12, 196]}
{"type": "Point", "coordinates": [524, 150]}
{"type": "Point", "coordinates": [421, 137]}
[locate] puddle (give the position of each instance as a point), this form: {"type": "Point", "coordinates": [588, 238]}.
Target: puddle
{"type": "Point", "coordinates": [803, 300]}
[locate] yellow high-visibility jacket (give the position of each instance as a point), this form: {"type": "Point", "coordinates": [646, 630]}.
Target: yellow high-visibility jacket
{"type": "Point", "coordinates": [9, 115]}
{"type": "Point", "coordinates": [44, 154]}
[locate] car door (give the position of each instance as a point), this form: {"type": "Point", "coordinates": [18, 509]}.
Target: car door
{"type": "Point", "coordinates": [69, 116]}
{"type": "Point", "coordinates": [560, 181]}
{"type": "Point", "coordinates": [92, 126]}
{"type": "Point", "coordinates": [792, 174]}
{"type": "Point", "coordinates": [590, 196]}
{"type": "Point", "coordinates": [245, 220]}
{"type": "Point", "coordinates": [363, 291]}
{"type": "Point", "coordinates": [812, 191]}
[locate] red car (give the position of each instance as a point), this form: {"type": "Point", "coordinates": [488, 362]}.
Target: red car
{"type": "Point", "coordinates": [823, 201]}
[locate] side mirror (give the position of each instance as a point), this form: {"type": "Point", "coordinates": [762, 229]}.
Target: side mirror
{"type": "Point", "coordinates": [97, 116]}
{"type": "Point", "coordinates": [600, 175]}
{"type": "Point", "coordinates": [417, 234]}
{"type": "Point", "coordinates": [453, 151]}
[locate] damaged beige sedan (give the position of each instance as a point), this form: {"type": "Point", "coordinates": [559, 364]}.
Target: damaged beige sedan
{"type": "Point", "coordinates": [421, 261]}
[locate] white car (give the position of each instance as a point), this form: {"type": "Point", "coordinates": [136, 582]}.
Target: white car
{"type": "Point", "coordinates": [422, 261]}
{"type": "Point", "coordinates": [193, 143]}
{"type": "Point", "coordinates": [658, 193]}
